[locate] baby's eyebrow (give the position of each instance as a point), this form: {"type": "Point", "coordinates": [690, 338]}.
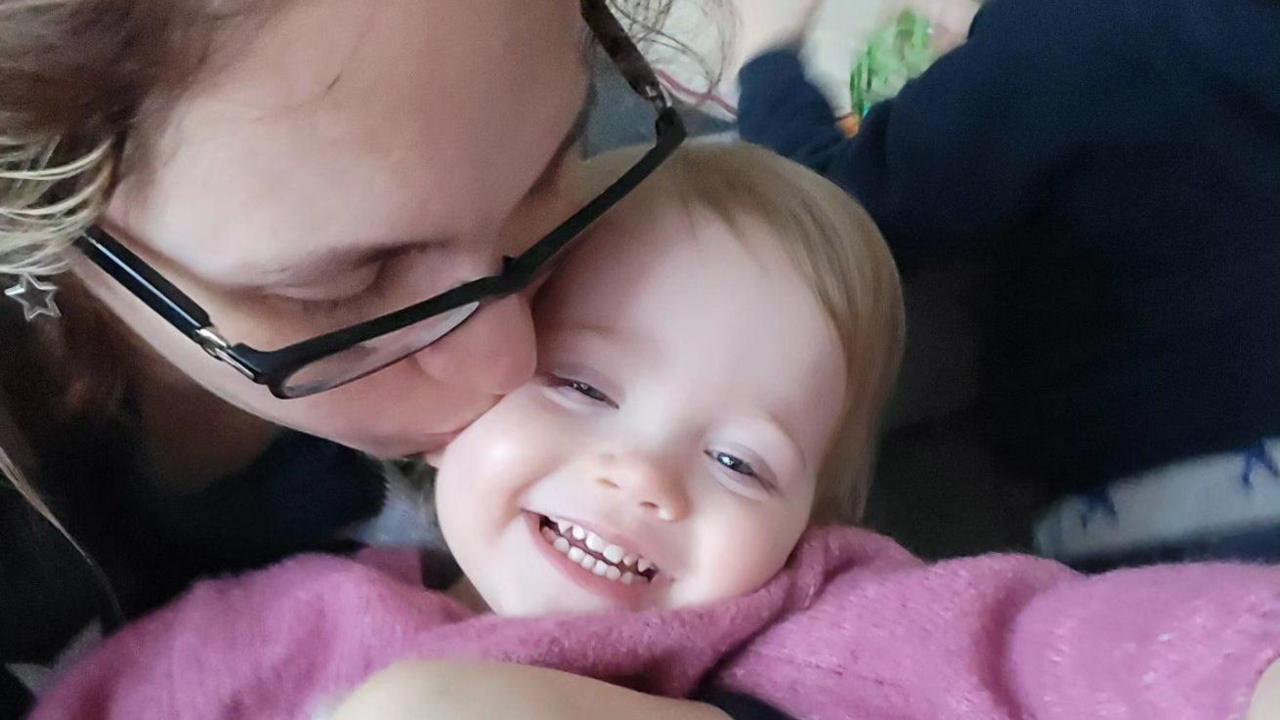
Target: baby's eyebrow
{"type": "Point", "coordinates": [788, 437]}
{"type": "Point", "coordinates": [605, 333]}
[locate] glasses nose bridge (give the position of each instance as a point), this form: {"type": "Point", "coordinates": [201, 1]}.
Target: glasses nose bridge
{"type": "Point", "coordinates": [492, 350]}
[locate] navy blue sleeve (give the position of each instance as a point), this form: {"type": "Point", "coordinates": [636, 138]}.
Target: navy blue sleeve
{"type": "Point", "coordinates": [964, 152]}
{"type": "Point", "coordinates": [738, 706]}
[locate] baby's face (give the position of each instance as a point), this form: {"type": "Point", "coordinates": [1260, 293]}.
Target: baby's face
{"type": "Point", "coordinates": [665, 453]}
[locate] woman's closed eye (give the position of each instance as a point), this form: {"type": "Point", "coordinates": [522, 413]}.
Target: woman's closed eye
{"type": "Point", "coordinates": [357, 289]}
{"type": "Point", "coordinates": [388, 281]}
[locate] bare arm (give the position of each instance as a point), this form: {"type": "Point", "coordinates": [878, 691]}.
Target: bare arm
{"type": "Point", "coordinates": [1266, 699]}
{"type": "Point", "coordinates": [462, 691]}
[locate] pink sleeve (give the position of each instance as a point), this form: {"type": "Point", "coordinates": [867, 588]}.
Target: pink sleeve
{"type": "Point", "coordinates": [272, 644]}
{"type": "Point", "coordinates": [1164, 642]}
{"type": "Point", "coordinates": [1005, 637]}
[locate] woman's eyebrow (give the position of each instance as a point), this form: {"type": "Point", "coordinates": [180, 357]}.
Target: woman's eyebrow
{"type": "Point", "coordinates": [570, 140]}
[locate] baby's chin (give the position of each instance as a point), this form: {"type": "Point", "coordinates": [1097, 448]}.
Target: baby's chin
{"type": "Point", "coordinates": [545, 602]}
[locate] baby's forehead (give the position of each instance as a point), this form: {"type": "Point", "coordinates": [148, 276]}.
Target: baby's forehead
{"type": "Point", "coordinates": [658, 235]}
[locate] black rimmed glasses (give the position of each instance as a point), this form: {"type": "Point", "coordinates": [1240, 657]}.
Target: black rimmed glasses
{"type": "Point", "coordinates": [342, 356]}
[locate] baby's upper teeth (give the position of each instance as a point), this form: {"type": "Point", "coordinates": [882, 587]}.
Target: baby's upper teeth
{"type": "Point", "coordinates": [616, 555]}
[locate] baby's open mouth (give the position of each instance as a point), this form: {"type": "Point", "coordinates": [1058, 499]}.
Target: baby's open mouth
{"type": "Point", "coordinates": [595, 554]}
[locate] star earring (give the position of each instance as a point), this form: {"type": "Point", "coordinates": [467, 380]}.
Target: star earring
{"type": "Point", "coordinates": [35, 297]}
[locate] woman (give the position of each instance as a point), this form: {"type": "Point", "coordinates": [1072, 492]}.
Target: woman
{"type": "Point", "coordinates": [225, 181]}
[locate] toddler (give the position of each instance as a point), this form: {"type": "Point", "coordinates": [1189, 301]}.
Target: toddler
{"type": "Point", "coordinates": [649, 511]}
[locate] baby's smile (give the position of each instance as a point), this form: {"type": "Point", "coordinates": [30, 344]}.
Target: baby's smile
{"type": "Point", "coordinates": [595, 554]}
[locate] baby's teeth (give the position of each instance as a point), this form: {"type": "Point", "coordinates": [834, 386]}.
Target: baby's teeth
{"type": "Point", "coordinates": [561, 544]}
{"type": "Point", "coordinates": [601, 568]}
{"type": "Point", "coordinates": [594, 542]}
{"type": "Point", "coordinates": [588, 562]}
{"type": "Point", "coordinates": [575, 554]}
{"type": "Point", "coordinates": [629, 560]}
{"type": "Point", "coordinates": [562, 526]}
{"type": "Point", "coordinates": [628, 578]}
{"type": "Point", "coordinates": [643, 564]}
{"type": "Point", "coordinates": [550, 536]}
{"type": "Point", "coordinates": [579, 533]}
{"type": "Point", "coordinates": [613, 553]}
{"type": "Point", "coordinates": [610, 572]}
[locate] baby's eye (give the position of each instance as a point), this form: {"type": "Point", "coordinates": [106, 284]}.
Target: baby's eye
{"type": "Point", "coordinates": [584, 389]}
{"type": "Point", "coordinates": [738, 465]}
{"type": "Point", "coordinates": [743, 477]}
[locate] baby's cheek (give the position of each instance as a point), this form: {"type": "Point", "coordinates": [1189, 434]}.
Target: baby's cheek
{"type": "Point", "coordinates": [741, 560]}
{"type": "Point", "coordinates": [516, 441]}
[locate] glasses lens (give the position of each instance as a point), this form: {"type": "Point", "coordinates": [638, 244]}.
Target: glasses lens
{"type": "Point", "coordinates": [618, 116]}
{"type": "Point", "coordinates": [370, 356]}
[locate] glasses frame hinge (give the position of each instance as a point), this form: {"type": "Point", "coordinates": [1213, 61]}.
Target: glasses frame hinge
{"type": "Point", "coordinates": [218, 348]}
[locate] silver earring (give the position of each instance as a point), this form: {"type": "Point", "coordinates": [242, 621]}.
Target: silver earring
{"type": "Point", "coordinates": [35, 297]}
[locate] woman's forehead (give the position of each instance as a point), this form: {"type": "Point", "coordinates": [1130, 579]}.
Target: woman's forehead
{"type": "Point", "coordinates": [348, 123]}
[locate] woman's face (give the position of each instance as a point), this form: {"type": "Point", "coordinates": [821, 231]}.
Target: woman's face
{"type": "Point", "coordinates": [348, 158]}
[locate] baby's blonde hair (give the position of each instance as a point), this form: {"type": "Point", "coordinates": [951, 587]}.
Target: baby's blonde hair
{"type": "Point", "coordinates": [836, 247]}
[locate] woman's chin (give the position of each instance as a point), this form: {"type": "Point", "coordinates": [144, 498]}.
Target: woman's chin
{"type": "Point", "coordinates": [385, 449]}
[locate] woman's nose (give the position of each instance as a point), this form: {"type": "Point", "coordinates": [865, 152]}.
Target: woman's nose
{"type": "Point", "coordinates": [655, 491]}
{"type": "Point", "coordinates": [492, 352]}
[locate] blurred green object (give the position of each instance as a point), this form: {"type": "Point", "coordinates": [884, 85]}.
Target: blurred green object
{"type": "Point", "coordinates": [896, 54]}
